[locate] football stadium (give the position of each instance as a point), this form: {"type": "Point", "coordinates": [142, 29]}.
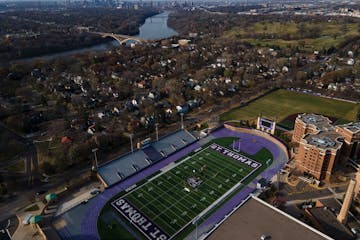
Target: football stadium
{"type": "Point", "coordinates": [179, 187]}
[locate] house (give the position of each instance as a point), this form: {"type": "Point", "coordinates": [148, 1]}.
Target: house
{"type": "Point", "coordinates": [332, 86]}
{"type": "Point", "coordinates": [350, 62]}
{"type": "Point", "coordinates": [285, 69]}
{"type": "Point", "coordinates": [91, 130]}
{"type": "Point", "coordinates": [66, 140]}
{"type": "Point", "coordinates": [183, 109]}
{"type": "Point", "coordinates": [197, 88]}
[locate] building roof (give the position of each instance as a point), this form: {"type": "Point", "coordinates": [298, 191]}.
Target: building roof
{"type": "Point", "coordinates": [256, 218]}
{"type": "Point", "coordinates": [330, 224]}
{"type": "Point", "coordinates": [316, 121]}
{"type": "Point", "coordinates": [324, 140]}
{"type": "Point", "coordinates": [354, 128]}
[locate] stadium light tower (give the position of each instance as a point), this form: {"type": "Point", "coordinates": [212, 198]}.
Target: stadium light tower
{"type": "Point", "coordinates": [157, 131]}
{"type": "Point", "coordinates": [95, 158]}
{"type": "Point", "coordinates": [182, 120]}
{"type": "Point", "coordinates": [131, 142]}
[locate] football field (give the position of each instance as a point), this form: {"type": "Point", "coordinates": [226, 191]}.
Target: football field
{"type": "Point", "coordinates": [165, 205]}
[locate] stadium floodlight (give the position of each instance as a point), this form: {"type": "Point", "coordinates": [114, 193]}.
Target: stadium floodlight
{"type": "Point", "coordinates": [95, 158]}
{"type": "Point", "coordinates": [182, 120]}
{"type": "Point", "coordinates": [157, 131]}
{"type": "Point", "coordinates": [130, 135]}
{"type": "Point", "coordinates": [131, 142]}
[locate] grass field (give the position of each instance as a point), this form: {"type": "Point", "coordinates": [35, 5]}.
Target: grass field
{"type": "Point", "coordinates": [282, 103]}
{"type": "Point", "coordinates": [171, 203]}
{"type": "Point", "coordinates": [328, 34]}
{"type": "Point", "coordinates": [116, 231]}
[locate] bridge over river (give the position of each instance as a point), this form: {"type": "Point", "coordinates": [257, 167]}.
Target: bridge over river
{"type": "Point", "coordinates": [120, 37]}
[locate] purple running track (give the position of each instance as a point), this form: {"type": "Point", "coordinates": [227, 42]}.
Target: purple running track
{"type": "Point", "coordinates": [89, 229]}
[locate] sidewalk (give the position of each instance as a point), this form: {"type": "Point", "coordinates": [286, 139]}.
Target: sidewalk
{"type": "Point", "coordinates": [29, 231]}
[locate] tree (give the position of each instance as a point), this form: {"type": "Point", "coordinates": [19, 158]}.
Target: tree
{"type": "Point", "coordinates": [228, 73]}
{"type": "Point", "coordinates": [3, 189]}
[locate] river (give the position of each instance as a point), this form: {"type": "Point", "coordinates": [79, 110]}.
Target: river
{"type": "Point", "coordinates": [154, 28]}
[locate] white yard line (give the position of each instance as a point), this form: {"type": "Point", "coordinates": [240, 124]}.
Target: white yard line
{"type": "Point", "coordinates": [202, 213]}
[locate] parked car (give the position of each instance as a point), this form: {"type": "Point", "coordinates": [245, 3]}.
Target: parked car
{"type": "Point", "coordinates": [41, 192]}
{"type": "Point", "coordinates": [95, 192]}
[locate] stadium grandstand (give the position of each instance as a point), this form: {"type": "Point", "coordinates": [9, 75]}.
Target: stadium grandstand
{"type": "Point", "coordinates": [131, 163]}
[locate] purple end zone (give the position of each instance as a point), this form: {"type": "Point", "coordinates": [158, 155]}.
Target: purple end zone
{"type": "Point", "coordinates": [249, 143]}
{"type": "Point", "coordinates": [139, 220]}
{"type": "Point", "coordinates": [89, 229]}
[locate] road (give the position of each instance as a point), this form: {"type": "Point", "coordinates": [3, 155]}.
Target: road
{"type": "Point", "coordinates": [8, 226]}
{"type": "Point", "coordinates": [332, 195]}
{"type": "Point", "coordinates": [29, 154]}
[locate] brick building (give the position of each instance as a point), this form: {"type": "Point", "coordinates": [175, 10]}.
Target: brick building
{"type": "Point", "coordinates": [310, 123]}
{"type": "Point", "coordinates": [351, 135]}
{"type": "Point", "coordinates": [322, 145]}
{"type": "Point", "coordinates": [318, 153]}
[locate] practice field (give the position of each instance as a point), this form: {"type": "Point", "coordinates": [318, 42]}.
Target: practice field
{"type": "Point", "coordinates": [164, 206]}
{"type": "Point", "coordinates": [282, 103]}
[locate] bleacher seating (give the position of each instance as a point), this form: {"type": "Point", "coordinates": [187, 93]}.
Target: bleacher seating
{"type": "Point", "coordinates": [174, 142]}
{"type": "Point", "coordinates": [123, 167]}
{"type": "Point", "coordinates": [131, 163]}
{"type": "Point", "coordinates": [154, 155]}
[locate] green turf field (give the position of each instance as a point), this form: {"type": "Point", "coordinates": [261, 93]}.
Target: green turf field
{"type": "Point", "coordinates": [171, 203]}
{"type": "Point", "coordinates": [282, 103]}
{"type": "Point", "coordinates": [327, 34]}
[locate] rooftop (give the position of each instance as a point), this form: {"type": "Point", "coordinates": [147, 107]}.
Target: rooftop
{"type": "Point", "coordinates": [318, 121]}
{"type": "Point", "coordinates": [351, 127]}
{"type": "Point", "coordinates": [330, 224]}
{"type": "Point", "coordinates": [245, 223]}
{"type": "Point", "coordinates": [324, 140]}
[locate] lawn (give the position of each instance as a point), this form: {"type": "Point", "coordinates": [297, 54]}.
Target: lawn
{"type": "Point", "coordinates": [276, 34]}
{"type": "Point", "coordinates": [282, 103]}
{"type": "Point", "coordinates": [32, 208]}
{"type": "Point", "coordinates": [114, 231]}
{"type": "Point", "coordinates": [169, 203]}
